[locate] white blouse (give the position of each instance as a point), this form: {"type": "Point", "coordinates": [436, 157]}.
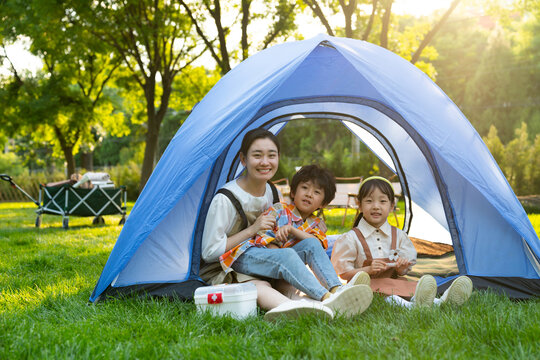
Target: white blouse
{"type": "Point", "coordinates": [222, 216]}
{"type": "Point", "coordinates": [348, 253]}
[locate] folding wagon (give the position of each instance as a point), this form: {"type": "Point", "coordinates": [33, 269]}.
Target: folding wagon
{"type": "Point", "coordinates": [66, 201]}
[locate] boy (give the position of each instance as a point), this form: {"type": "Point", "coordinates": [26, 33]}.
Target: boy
{"type": "Point", "coordinates": [312, 188]}
{"type": "Point", "coordinates": [297, 240]}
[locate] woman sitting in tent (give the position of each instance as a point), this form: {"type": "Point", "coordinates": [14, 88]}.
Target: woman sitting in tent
{"type": "Point", "coordinates": [223, 230]}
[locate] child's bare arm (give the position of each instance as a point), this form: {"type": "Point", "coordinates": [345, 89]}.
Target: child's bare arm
{"type": "Point", "coordinates": [282, 234]}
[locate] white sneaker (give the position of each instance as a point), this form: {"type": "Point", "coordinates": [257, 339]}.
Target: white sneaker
{"type": "Point", "coordinates": [350, 300]}
{"type": "Point", "coordinates": [459, 291]}
{"type": "Point", "coordinates": [294, 309]}
{"type": "Point", "coordinates": [360, 278]}
{"type": "Point", "coordinates": [425, 292]}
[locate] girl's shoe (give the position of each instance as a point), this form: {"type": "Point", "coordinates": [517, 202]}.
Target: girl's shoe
{"type": "Point", "coordinates": [350, 300]}
{"type": "Point", "coordinates": [294, 309]}
{"type": "Point", "coordinates": [459, 291]}
{"type": "Point", "coordinates": [360, 278]}
{"type": "Point", "coordinates": [425, 292]}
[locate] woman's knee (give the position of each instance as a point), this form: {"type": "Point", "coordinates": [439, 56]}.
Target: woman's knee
{"type": "Point", "coordinates": [261, 283]}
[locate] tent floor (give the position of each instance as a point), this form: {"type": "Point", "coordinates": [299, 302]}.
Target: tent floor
{"type": "Point", "coordinates": [175, 291]}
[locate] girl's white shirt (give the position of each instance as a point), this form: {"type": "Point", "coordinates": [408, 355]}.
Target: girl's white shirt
{"type": "Point", "coordinates": [348, 253]}
{"type": "Point", "coordinates": [222, 216]}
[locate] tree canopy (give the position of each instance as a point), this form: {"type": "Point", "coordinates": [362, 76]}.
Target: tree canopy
{"type": "Point", "coordinates": [119, 77]}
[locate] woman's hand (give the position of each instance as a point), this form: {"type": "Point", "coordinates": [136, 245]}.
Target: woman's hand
{"type": "Point", "coordinates": [282, 234]}
{"type": "Point", "coordinates": [377, 266]}
{"type": "Point", "coordinates": [263, 222]}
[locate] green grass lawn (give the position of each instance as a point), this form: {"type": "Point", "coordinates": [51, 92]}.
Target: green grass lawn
{"type": "Point", "coordinates": [47, 275]}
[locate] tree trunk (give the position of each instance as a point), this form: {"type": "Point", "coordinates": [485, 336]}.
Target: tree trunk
{"type": "Point", "coordinates": [386, 23]}
{"type": "Point", "coordinates": [370, 22]}
{"type": "Point", "coordinates": [348, 11]}
{"type": "Point", "coordinates": [150, 148]}
{"type": "Point", "coordinates": [154, 123]}
{"type": "Point", "coordinates": [67, 149]}
{"type": "Point", "coordinates": [314, 6]}
{"type": "Point", "coordinates": [70, 160]}
{"type": "Point", "coordinates": [225, 61]}
{"type": "Point", "coordinates": [87, 160]}
{"type": "Point", "coordinates": [245, 21]}
{"type": "Point", "coordinates": [430, 35]}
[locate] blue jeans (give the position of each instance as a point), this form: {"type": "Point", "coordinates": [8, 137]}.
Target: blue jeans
{"type": "Point", "coordinates": [289, 264]}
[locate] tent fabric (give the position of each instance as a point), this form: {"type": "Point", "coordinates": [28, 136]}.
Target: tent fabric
{"type": "Point", "coordinates": [446, 171]}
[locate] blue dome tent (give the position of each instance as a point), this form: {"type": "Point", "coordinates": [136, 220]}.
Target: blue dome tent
{"type": "Point", "coordinates": [453, 189]}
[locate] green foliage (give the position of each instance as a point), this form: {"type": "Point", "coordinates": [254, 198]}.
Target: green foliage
{"type": "Point", "coordinates": [495, 146]}
{"type": "Point", "coordinates": [29, 182]}
{"type": "Point", "coordinates": [519, 159]}
{"type": "Point", "coordinates": [10, 164]}
{"type": "Point", "coordinates": [327, 143]}
{"type": "Point", "coordinates": [46, 281]}
{"type": "Point", "coordinates": [128, 175]}
{"type": "Point", "coordinates": [518, 152]}
{"type": "Point", "coordinates": [488, 67]}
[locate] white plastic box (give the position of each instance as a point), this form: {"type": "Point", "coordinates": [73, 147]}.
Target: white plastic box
{"type": "Point", "coordinates": [237, 300]}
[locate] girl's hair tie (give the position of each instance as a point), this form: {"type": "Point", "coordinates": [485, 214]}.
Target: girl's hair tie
{"type": "Point", "coordinates": [376, 178]}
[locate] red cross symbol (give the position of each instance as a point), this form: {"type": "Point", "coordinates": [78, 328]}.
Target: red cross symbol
{"type": "Point", "coordinates": [215, 298]}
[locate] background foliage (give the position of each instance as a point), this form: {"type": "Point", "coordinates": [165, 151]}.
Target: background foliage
{"type": "Point", "coordinates": [107, 97]}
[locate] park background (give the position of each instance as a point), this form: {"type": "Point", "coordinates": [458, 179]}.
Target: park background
{"type": "Point", "coordinates": [110, 84]}
{"type": "Point", "coordinates": [105, 85]}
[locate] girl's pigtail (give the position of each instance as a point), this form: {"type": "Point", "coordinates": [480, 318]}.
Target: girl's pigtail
{"type": "Point", "coordinates": [357, 220]}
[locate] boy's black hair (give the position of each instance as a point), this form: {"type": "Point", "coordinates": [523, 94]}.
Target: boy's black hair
{"type": "Point", "coordinates": [318, 175]}
{"type": "Point", "coordinates": [255, 134]}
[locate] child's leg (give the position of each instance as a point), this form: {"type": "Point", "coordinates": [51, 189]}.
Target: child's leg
{"type": "Point", "coordinates": [268, 297]}
{"type": "Point", "coordinates": [313, 254]}
{"type": "Point", "coordinates": [280, 264]}
{"type": "Point", "coordinates": [396, 300]}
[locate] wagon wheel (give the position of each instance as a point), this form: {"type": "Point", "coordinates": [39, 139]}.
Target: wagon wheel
{"type": "Point", "coordinates": [38, 221]}
{"type": "Point", "coordinates": [65, 223]}
{"type": "Point", "coordinates": [98, 220]}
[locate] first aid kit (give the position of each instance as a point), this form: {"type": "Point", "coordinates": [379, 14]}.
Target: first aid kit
{"type": "Point", "coordinates": [237, 300]}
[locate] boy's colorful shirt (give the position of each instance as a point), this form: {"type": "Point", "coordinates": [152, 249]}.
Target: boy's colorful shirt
{"type": "Point", "coordinates": [285, 214]}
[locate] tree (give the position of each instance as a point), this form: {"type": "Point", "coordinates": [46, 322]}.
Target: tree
{"type": "Point", "coordinates": [381, 12]}
{"type": "Point", "coordinates": [495, 146]}
{"type": "Point", "coordinates": [65, 102]}
{"type": "Point", "coordinates": [518, 160]}
{"type": "Point", "coordinates": [535, 166]}
{"type": "Point", "coordinates": [494, 94]}
{"type": "Point", "coordinates": [154, 41]}
{"type": "Point", "coordinates": [210, 18]}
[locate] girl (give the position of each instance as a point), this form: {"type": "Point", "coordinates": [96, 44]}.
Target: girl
{"type": "Point", "coordinates": [224, 229]}
{"type": "Point", "coordinates": [386, 253]}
